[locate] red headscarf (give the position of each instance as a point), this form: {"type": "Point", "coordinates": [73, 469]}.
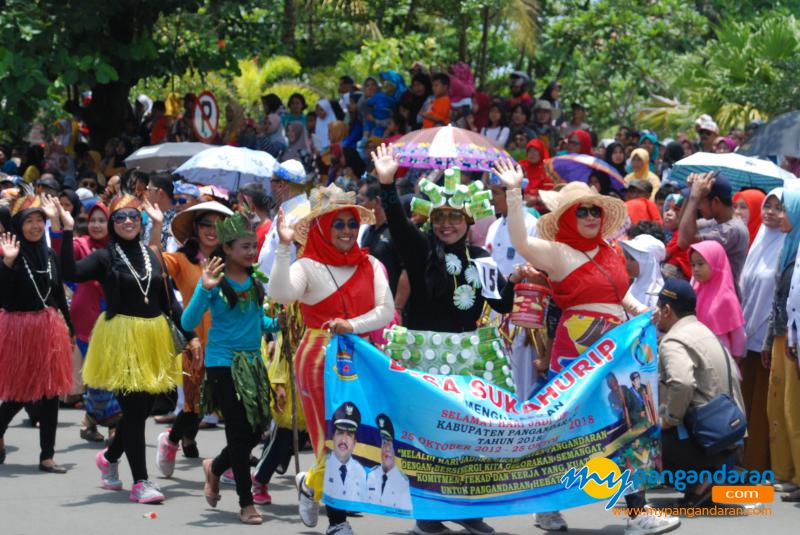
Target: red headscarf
{"type": "Point", "coordinates": [754, 199]}
{"type": "Point", "coordinates": [568, 231]}
{"type": "Point", "coordinates": [585, 139]}
{"type": "Point", "coordinates": [97, 244]}
{"type": "Point", "coordinates": [537, 178]}
{"type": "Point", "coordinates": [319, 245]}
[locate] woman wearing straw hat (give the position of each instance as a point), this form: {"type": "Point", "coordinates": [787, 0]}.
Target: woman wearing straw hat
{"type": "Point", "coordinates": [341, 289]}
{"type": "Point", "coordinates": [589, 283]}
{"type": "Point", "coordinates": [35, 348]}
{"type": "Point", "coordinates": [194, 228]}
{"type": "Point", "coordinates": [132, 350]}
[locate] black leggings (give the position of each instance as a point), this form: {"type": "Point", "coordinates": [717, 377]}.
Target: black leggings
{"type": "Point", "coordinates": [129, 438]}
{"type": "Point", "coordinates": [186, 425]}
{"type": "Point", "coordinates": [47, 413]}
{"type": "Point", "coordinates": [278, 452]}
{"type": "Point", "coordinates": [239, 434]}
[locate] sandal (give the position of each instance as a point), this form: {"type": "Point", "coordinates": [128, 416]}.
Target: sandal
{"type": "Point", "coordinates": [91, 434]}
{"type": "Point", "coordinates": [793, 496]}
{"type": "Point", "coordinates": [211, 488]}
{"type": "Point", "coordinates": [252, 518]}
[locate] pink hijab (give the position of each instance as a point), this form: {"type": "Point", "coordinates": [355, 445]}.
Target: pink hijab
{"type": "Point", "coordinates": [718, 307]}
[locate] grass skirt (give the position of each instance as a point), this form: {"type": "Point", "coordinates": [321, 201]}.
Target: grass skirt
{"type": "Point", "coordinates": [35, 355]}
{"type": "Point", "coordinates": [131, 354]}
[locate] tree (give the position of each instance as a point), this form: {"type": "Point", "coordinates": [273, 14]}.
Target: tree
{"type": "Point", "coordinates": [108, 47]}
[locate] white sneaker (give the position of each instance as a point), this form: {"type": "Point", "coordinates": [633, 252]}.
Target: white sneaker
{"type": "Point", "coordinates": [109, 478]}
{"type": "Point", "coordinates": [650, 524]}
{"type": "Point", "coordinates": [146, 492]}
{"type": "Point", "coordinates": [165, 455]}
{"type": "Point", "coordinates": [784, 486]}
{"type": "Point", "coordinates": [308, 506]}
{"type": "Point", "coordinates": [552, 521]}
{"type": "Point", "coordinates": [339, 529]}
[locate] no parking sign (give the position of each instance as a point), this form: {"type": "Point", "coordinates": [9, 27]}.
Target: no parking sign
{"type": "Point", "coordinates": [205, 119]}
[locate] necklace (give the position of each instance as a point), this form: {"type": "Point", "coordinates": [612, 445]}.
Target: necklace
{"type": "Point", "coordinates": [49, 272]}
{"type": "Point", "coordinates": [463, 295]}
{"type": "Point", "coordinates": [148, 270]}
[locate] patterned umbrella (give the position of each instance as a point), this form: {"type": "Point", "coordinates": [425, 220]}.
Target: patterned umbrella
{"type": "Point", "coordinates": [229, 167]}
{"type": "Point", "coordinates": [447, 146]}
{"type": "Point", "coordinates": [742, 171]}
{"type": "Point", "coordinates": [579, 167]}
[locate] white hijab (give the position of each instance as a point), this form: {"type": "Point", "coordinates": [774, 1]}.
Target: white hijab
{"type": "Point", "coordinates": [321, 139]}
{"type": "Point", "coordinates": [757, 280]}
{"type": "Point", "coordinates": [649, 252]}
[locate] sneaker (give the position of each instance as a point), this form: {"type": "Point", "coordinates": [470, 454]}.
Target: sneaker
{"type": "Point", "coordinates": [650, 524]}
{"type": "Point", "coordinates": [227, 477]}
{"type": "Point", "coordinates": [165, 457]}
{"type": "Point", "coordinates": [430, 527]}
{"type": "Point", "coordinates": [146, 492]}
{"type": "Point", "coordinates": [109, 471]}
{"type": "Point", "coordinates": [552, 521]}
{"type": "Point", "coordinates": [784, 486]}
{"type": "Point", "coordinates": [476, 526]}
{"type": "Point", "coordinates": [260, 493]}
{"type": "Point", "coordinates": [308, 506]}
{"type": "Point", "coordinates": [339, 529]}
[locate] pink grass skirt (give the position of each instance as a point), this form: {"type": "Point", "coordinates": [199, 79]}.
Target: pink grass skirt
{"type": "Point", "coordinates": [35, 355]}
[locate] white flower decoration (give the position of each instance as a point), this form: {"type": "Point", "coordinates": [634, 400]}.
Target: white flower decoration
{"type": "Point", "coordinates": [464, 297]}
{"type": "Point", "coordinates": [473, 277]}
{"type": "Point", "coordinates": [453, 264]}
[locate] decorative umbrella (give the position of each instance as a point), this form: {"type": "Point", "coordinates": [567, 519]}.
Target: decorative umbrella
{"type": "Point", "coordinates": [579, 167]}
{"type": "Point", "coordinates": [229, 167]}
{"type": "Point", "coordinates": [165, 156]}
{"type": "Point", "coordinates": [779, 137]}
{"type": "Point", "coordinates": [443, 147]}
{"type": "Point", "coordinates": [742, 171]}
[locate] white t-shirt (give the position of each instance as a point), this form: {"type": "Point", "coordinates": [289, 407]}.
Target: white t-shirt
{"type": "Point", "coordinates": [498, 243]}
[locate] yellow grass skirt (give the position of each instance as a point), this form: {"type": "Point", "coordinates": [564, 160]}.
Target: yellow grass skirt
{"type": "Point", "coordinates": [131, 354]}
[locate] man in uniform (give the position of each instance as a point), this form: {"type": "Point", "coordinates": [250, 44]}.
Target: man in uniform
{"type": "Point", "coordinates": [386, 484]}
{"type": "Point", "coordinates": [345, 478]}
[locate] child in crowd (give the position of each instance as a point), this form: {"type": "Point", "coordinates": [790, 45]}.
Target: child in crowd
{"type": "Point", "coordinates": [439, 112]}
{"type": "Point", "coordinates": [718, 306]}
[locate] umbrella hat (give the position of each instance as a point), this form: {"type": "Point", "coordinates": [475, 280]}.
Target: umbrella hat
{"type": "Point", "coordinates": [444, 147]}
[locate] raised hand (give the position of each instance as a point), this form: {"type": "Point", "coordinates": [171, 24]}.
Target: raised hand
{"type": "Point", "coordinates": [212, 271]}
{"type": "Point", "coordinates": [285, 232]}
{"type": "Point", "coordinates": [701, 184]}
{"type": "Point", "coordinates": [9, 246]}
{"type": "Point", "coordinates": [65, 217]}
{"type": "Point", "coordinates": [385, 163]}
{"type": "Point", "coordinates": [510, 174]}
{"type": "Point", "coordinates": [153, 211]}
{"type": "Point", "coordinates": [50, 206]}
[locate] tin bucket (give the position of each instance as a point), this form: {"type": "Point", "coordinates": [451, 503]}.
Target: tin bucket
{"type": "Point", "coordinates": [530, 305]}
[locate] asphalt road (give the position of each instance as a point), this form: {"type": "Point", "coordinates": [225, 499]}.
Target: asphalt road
{"type": "Point", "coordinates": [32, 502]}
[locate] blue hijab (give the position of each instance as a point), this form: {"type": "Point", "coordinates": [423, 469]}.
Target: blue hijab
{"type": "Point", "coordinates": [653, 155]}
{"type": "Point", "coordinates": [791, 206]}
{"type": "Point", "coordinates": [397, 80]}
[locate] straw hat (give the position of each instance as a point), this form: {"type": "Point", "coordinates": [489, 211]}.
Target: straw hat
{"type": "Point", "coordinates": [182, 225]}
{"type": "Point", "coordinates": [614, 211]}
{"type": "Point", "coordinates": [328, 199]}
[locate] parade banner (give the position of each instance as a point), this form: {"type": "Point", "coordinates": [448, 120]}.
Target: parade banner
{"type": "Point", "coordinates": [406, 443]}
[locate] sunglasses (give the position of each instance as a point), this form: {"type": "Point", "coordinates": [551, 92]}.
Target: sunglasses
{"type": "Point", "coordinates": [446, 216]}
{"type": "Point", "coordinates": [121, 216]}
{"type": "Point", "coordinates": [205, 223]}
{"type": "Point", "coordinates": [341, 225]}
{"type": "Point", "coordinates": [584, 211]}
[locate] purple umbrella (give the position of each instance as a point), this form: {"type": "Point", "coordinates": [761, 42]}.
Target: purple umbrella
{"type": "Point", "coordinates": [579, 167]}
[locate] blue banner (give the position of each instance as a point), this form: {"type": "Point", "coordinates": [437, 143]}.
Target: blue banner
{"type": "Point", "coordinates": [410, 444]}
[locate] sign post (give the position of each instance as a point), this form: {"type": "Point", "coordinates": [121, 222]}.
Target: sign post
{"type": "Point", "coordinates": [205, 117]}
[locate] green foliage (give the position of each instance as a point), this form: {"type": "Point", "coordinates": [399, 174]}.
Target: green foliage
{"type": "Point", "coordinates": [285, 90]}
{"type": "Point", "coordinates": [280, 68]}
{"type": "Point", "coordinates": [752, 71]}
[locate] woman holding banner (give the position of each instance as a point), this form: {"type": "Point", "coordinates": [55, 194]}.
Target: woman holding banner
{"type": "Point", "coordinates": [588, 279]}
{"type": "Point", "coordinates": [429, 259]}
{"type": "Point", "coordinates": [341, 289]}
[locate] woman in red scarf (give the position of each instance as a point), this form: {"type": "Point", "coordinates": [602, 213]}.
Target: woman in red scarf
{"type": "Point", "coordinates": [580, 142]}
{"type": "Point", "coordinates": [747, 207]}
{"type": "Point", "coordinates": [533, 164]}
{"type": "Point", "coordinates": [341, 289]}
{"type": "Point", "coordinates": [587, 276]}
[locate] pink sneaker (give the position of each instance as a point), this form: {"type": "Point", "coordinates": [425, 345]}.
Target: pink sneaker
{"type": "Point", "coordinates": [261, 493]}
{"type": "Point", "coordinates": [146, 492]}
{"type": "Point", "coordinates": [165, 458]}
{"type": "Point", "coordinates": [109, 471]}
